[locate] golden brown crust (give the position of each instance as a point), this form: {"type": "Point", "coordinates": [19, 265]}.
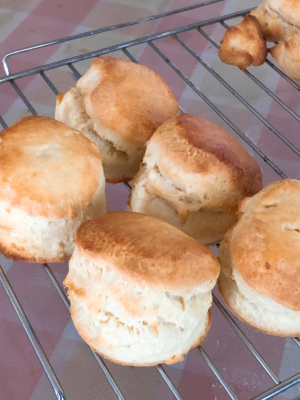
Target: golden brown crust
{"type": "Point", "coordinates": [251, 322]}
{"type": "Point", "coordinates": [205, 142]}
{"type": "Point", "coordinates": [128, 202]}
{"type": "Point", "coordinates": [130, 99]}
{"type": "Point", "coordinates": [177, 358]}
{"type": "Point", "coordinates": [121, 180]}
{"type": "Point", "coordinates": [279, 19]}
{"type": "Point", "coordinates": [59, 98]}
{"type": "Point", "coordinates": [265, 243]}
{"type": "Point", "coordinates": [243, 44]}
{"type": "Point", "coordinates": [287, 55]}
{"type": "Point", "coordinates": [47, 168]}
{"type": "Point", "coordinates": [270, 23]}
{"type": "Point", "coordinates": [136, 244]}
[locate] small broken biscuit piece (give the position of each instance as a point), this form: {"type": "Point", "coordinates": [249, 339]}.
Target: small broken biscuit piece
{"type": "Point", "coordinates": [287, 55]}
{"type": "Point", "coordinates": [279, 19]}
{"type": "Point", "coordinates": [243, 44]}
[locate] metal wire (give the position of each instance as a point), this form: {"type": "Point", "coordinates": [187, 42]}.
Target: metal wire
{"type": "Point", "coordinates": [168, 382]}
{"type": "Point", "coordinates": [23, 97]}
{"type": "Point", "coordinates": [280, 386]}
{"type": "Point", "coordinates": [126, 52]}
{"type": "Point", "coordinates": [97, 357]}
{"type": "Point", "coordinates": [49, 83]}
{"type": "Point", "coordinates": [282, 74]}
{"type": "Point", "coordinates": [297, 341]}
{"type": "Point", "coordinates": [32, 337]}
{"type": "Point", "coordinates": [246, 341]}
{"type": "Point", "coordinates": [2, 122]}
{"type": "Point", "coordinates": [106, 29]}
{"type": "Point", "coordinates": [217, 373]}
{"type": "Point", "coordinates": [120, 46]}
{"type": "Point", "coordinates": [128, 186]}
{"type": "Point", "coordinates": [74, 70]}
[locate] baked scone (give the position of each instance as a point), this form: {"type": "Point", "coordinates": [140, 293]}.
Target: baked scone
{"type": "Point", "coordinates": [287, 55]}
{"type": "Point", "coordinates": [118, 105]}
{"type": "Point", "coordinates": [279, 19]}
{"type": "Point", "coordinates": [140, 289]}
{"type": "Point", "coordinates": [193, 175]}
{"type": "Point", "coordinates": [51, 180]}
{"type": "Point", "coordinates": [243, 44]}
{"type": "Point", "coordinates": [260, 260]}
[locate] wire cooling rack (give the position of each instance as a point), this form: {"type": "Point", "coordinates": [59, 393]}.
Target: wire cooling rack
{"type": "Point", "coordinates": [129, 48]}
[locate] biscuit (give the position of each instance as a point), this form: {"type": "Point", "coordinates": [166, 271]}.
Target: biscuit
{"type": "Point", "coordinates": [51, 180]}
{"type": "Point", "coordinates": [193, 175]}
{"type": "Point", "coordinates": [243, 44]}
{"type": "Point", "coordinates": [260, 279]}
{"type": "Point", "coordinates": [118, 105]}
{"type": "Point", "coordinates": [140, 289]}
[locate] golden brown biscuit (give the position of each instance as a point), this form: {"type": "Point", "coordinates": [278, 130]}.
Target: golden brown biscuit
{"type": "Point", "coordinates": [118, 105]}
{"type": "Point", "coordinates": [134, 299]}
{"type": "Point", "coordinates": [260, 260]}
{"type": "Point", "coordinates": [287, 55]}
{"type": "Point", "coordinates": [193, 175]}
{"type": "Point", "coordinates": [243, 44]}
{"type": "Point", "coordinates": [51, 180]}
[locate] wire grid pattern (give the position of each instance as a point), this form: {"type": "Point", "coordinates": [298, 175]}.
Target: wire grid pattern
{"type": "Point", "coordinates": [279, 386]}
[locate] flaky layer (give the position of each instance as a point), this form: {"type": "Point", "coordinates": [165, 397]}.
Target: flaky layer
{"type": "Point", "coordinates": [256, 310]}
{"type": "Point", "coordinates": [193, 175]}
{"type": "Point", "coordinates": [120, 159]}
{"type": "Point", "coordinates": [40, 239]}
{"type": "Point", "coordinates": [131, 323]}
{"type": "Point", "coordinates": [287, 55]}
{"type": "Point", "coordinates": [204, 224]}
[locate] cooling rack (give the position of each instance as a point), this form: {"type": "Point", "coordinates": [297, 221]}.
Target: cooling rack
{"type": "Point", "coordinates": [158, 44]}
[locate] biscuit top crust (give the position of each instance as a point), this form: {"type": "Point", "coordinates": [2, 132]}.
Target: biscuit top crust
{"type": "Point", "coordinates": [127, 98]}
{"type": "Point", "coordinates": [47, 169]}
{"type": "Point", "coordinates": [148, 251]}
{"type": "Point", "coordinates": [199, 146]}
